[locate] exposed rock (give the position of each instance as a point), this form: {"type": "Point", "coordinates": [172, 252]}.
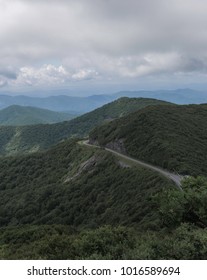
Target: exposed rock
{"type": "Point", "coordinates": [87, 166]}
{"type": "Point", "coordinates": [93, 142]}
{"type": "Point", "coordinates": [117, 145]}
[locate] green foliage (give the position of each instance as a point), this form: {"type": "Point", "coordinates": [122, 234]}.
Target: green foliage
{"type": "Point", "coordinates": [63, 242]}
{"type": "Point", "coordinates": [186, 242]}
{"type": "Point", "coordinates": [183, 233]}
{"type": "Point", "coordinates": [74, 185]}
{"type": "Point", "coordinates": [105, 243]}
{"type": "Point", "coordinates": [51, 242]}
{"type": "Point", "coordinates": [175, 235]}
{"type": "Point", "coordinates": [173, 137]}
{"type": "Point", "coordinates": [6, 134]}
{"type": "Point", "coordinates": [119, 108]}
{"type": "Point", "coordinates": [188, 206]}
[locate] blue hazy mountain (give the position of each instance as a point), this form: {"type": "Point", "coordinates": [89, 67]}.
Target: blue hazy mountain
{"type": "Point", "coordinates": [85, 104]}
{"type": "Point", "coordinates": [59, 103]}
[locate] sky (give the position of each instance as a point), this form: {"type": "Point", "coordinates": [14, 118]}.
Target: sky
{"type": "Point", "coordinates": [101, 46]}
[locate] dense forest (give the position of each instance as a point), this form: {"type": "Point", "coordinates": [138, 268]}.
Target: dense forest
{"type": "Point", "coordinates": [71, 193]}
{"type": "Point", "coordinates": [173, 137]}
{"type": "Point", "coordinates": [73, 202]}
{"type": "Point", "coordinates": [74, 185]}
{"type": "Point", "coordinates": [98, 210]}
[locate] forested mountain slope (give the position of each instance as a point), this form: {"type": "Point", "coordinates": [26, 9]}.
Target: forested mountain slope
{"type": "Point", "coordinates": [14, 140]}
{"type": "Point", "coordinates": [76, 202]}
{"type": "Point", "coordinates": [173, 137]}
{"type": "Point", "coordinates": [74, 185]}
{"type": "Point", "coordinates": [54, 203]}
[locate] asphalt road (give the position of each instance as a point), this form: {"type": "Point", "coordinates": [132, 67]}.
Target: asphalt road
{"type": "Point", "coordinates": [171, 176]}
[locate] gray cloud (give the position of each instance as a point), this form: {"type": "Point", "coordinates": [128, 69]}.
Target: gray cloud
{"type": "Point", "coordinates": [109, 39]}
{"type": "Point", "coordinates": [9, 73]}
{"type": "Point", "coordinates": [3, 82]}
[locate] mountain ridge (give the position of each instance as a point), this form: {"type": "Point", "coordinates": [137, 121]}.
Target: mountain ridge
{"type": "Point", "coordinates": [16, 115]}
{"type": "Point", "coordinates": [173, 137]}
{"type": "Point", "coordinates": [32, 138]}
{"type": "Point", "coordinates": [85, 104]}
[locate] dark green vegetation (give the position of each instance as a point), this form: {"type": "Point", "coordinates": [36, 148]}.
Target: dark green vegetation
{"type": "Point", "coordinates": [20, 115]}
{"type": "Point", "coordinates": [173, 226]}
{"type": "Point", "coordinates": [14, 140]}
{"type": "Point", "coordinates": [173, 137]}
{"type": "Point", "coordinates": [63, 242]}
{"type": "Point", "coordinates": [64, 197]}
{"type": "Point", "coordinates": [120, 108]}
{"type": "Point", "coordinates": [188, 206]}
{"type": "Point", "coordinates": [74, 185]}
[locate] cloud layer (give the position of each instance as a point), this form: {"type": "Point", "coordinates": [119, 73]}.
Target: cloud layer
{"type": "Point", "coordinates": [60, 42]}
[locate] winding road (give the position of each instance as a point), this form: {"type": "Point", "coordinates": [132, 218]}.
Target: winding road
{"type": "Point", "coordinates": [171, 176]}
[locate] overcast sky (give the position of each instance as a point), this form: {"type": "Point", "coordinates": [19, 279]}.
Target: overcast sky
{"type": "Point", "coordinates": [102, 44]}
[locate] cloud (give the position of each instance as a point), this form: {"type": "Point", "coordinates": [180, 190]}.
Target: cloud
{"type": "Point", "coordinates": [85, 74]}
{"type": "Point", "coordinates": [3, 82]}
{"type": "Point", "coordinates": [51, 75]}
{"type": "Point", "coordinates": [160, 63]}
{"type": "Point", "coordinates": [58, 41]}
{"type": "Point", "coordinates": [48, 74]}
{"type": "Point", "coordinates": [8, 72]}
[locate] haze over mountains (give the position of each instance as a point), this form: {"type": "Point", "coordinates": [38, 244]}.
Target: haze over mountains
{"type": "Point", "coordinates": [24, 115]}
{"type": "Point", "coordinates": [85, 104]}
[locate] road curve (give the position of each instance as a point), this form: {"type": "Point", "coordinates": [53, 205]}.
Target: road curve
{"type": "Point", "coordinates": [173, 177]}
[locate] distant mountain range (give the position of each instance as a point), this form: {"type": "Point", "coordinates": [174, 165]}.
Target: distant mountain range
{"type": "Point", "coordinates": [75, 104]}
{"type": "Point", "coordinates": [61, 103]}
{"type": "Point", "coordinates": [21, 115]}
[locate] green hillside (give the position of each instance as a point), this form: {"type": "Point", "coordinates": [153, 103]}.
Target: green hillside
{"type": "Point", "coordinates": [74, 185]}
{"type": "Point", "coordinates": [77, 202]}
{"type": "Point", "coordinates": [74, 189]}
{"type": "Point", "coordinates": [173, 137]}
{"type": "Point", "coordinates": [14, 140]}
{"type": "Point", "coordinates": [121, 107]}
{"type": "Point", "coordinates": [19, 115]}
